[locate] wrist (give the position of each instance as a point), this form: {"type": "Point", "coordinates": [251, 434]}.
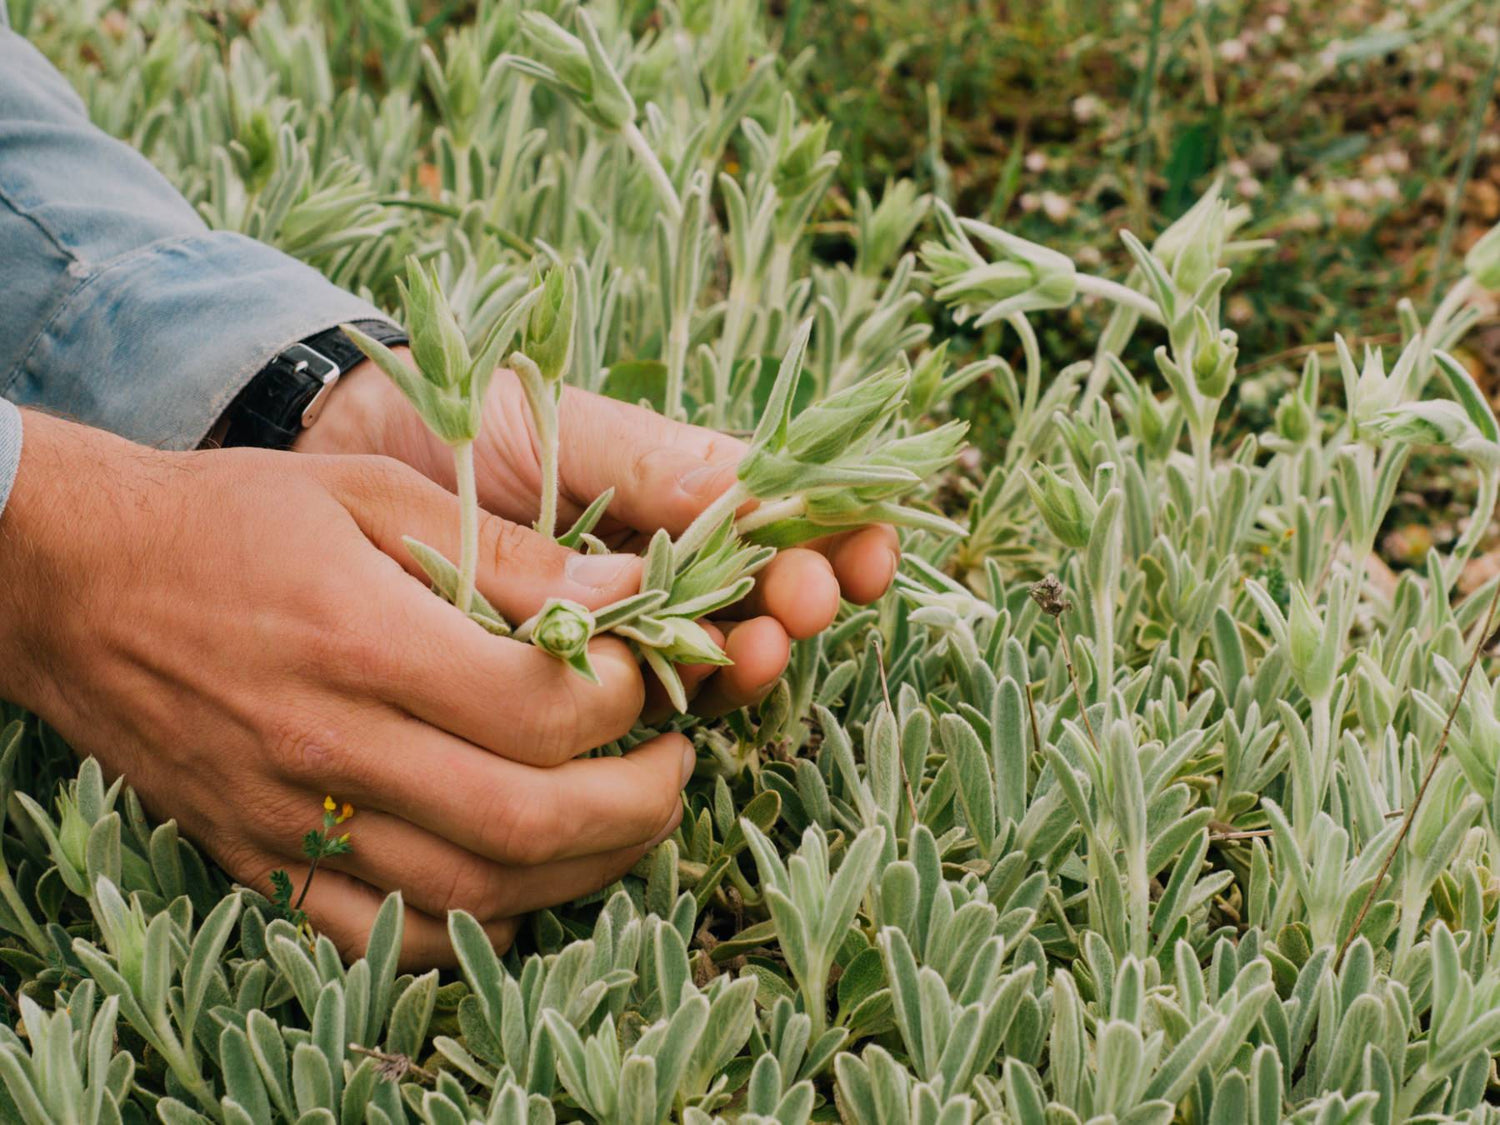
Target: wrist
{"type": "Point", "coordinates": [367, 414]}
{"type": "Point", "coordinates": [47, 554]}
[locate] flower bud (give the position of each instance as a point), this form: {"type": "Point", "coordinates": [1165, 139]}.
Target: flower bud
{"type": "Point", "coordinates": [463, 74]}
{"type": "Point", "coordinates": [561, 51]}
{"type": "Point", "coordinates": [1023, 277]}
{"type": "Point", "coordinates": [926, 380]}
{"type": "Point", "coordinates": [884, 230]}
{"type": "Point", "coordinates": [830, 427]}
{"type": "Point", "coordinates": [1194, 245]}
{"type": "Point", "coordinates": [1214, 357]}
{"type": "Point", "coordinates": [923, 454]}
{"type": "Point", "coordinates": [1294, 419]}
{"type": "Point", "coordinates": [1313, 647]}
{"type": "Point", "coordinates": [72, 833]}
{"type": "Point", "coordinates": [798, 154]}
{"type": "Point", "coordinates": [547, 339]}
{"type": "Point", "coordinates": [689, 643]}
{"type": "Point", "coordinates": [124, 929]}
{"type": "Point", "coordinates": [563, 629]}
{"type": "Point", "coordinates": [1483, 260]}
{"type": "Point", "coordinates": [729, 50]}
{"type": "Point", "coordinates": [1066, 505]}
{"type": "Point", "coordinates": [437, 342]}
{"type": "Point", "coordinates": [1435, 422]}
{"type": "Point", "coordinates": [611, 104]}
{"type": "Point", "coordinates": [259, 142]}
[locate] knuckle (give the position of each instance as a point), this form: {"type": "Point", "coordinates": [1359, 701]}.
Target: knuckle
{"type": "Point", "coordinates": [503, 936]}
{"type": "Point", "coordinates": [303, 752]}
{"type": "Point", "coordinates": [473, 886]}
{"type": "Point", "coordinates": [377, 478]}
{"type": "Point", "coordinates": [613, 704]}
{"type": "Point", "coordinates": [556, 735]}
{"type": "Point", "coordinates": [505, 541]}
{"type": "Point", "coordinates": [244, 861]}
{"type": "Point", "coordinates": [351, 939]}
{"type": "Point", "coordinates": [344, 637]}
{"type": "Point", "coordinates": [523, 826]}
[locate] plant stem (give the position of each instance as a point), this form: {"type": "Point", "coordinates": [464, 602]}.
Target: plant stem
{"type": "Point", "coordinates": [1480, 101]}
{"type": "Point", "coordinates": [1033, 353]}
{"type": "Point", "coordinates": [1202, 439]}
{"type": "Point", "coordinates": [636, 141]}
{"type": "Point", "coordinates": [708, 522]}
{"type": "Point", "coordinates": [433, 207]}
{"type": "Point", "coordinates": [542, 399]}
{"type": "Point", "coordinates": [767, 514]}
{"type": "Point", "coordinates": [468, 526]}
{"type": "Point", "coordinates": [312, 869]}
{"type": "Point", "coordinates": [677, 346]}
{"type": "Point", "coordinates": [1416, 802]}
{"type": "Point", "coordinates": [1120, 294]}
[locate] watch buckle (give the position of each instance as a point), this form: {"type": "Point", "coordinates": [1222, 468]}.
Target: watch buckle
{"type": "Point", "coordinates": [314, 364]}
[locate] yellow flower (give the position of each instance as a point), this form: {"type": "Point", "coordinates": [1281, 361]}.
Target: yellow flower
{"type": "Point", "coordinates": [328, 804]}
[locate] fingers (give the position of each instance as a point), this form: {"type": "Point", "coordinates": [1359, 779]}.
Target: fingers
{"type": "Point", "coordinates": [510, 698]}
{"type": "Point", "coordinates": [344, 909]}
{"type": "Point", "coordinates": [658, 704]}
{"type": "Point", "coordinates": [513, 813]}
{"type": "Point", "coordinates": [437, 877]}
{"type": "Point", "coordinates": [518, 568]}
{"type": "Point", "coordinates": [663, 472]}
{"type": "Point", "coordinates": [760, 649]}
{"type": "Point", "coordinates": [798, 589]}
{"type": "Point", "coordinates": [864, 560]}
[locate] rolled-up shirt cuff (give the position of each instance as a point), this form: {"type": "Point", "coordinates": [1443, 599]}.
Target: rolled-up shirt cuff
{"type": "Point", "coordinates": [155, 345]}
{"type": "Point", "coordinates": [10, 449]}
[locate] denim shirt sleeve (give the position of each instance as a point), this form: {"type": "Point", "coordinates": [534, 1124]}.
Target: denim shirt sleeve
{"type": "Point", "coordinates": [122, 309]}
{"type": "Point", "coordinates": [10, 429]}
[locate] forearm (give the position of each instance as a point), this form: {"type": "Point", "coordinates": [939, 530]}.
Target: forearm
{"type": "Point", "coordinates": [54, 457]}
{"type": "Point", "coordinates": [123, 310]}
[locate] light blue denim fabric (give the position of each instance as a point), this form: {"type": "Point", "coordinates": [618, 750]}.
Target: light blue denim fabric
{"type": "Point", "coordinates": [10, 437]}
{"type": "Point", "coordinates": [121, 308]}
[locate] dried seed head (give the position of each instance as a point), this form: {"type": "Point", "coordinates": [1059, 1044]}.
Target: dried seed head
{"type": "Point", "coordinates": [1051, 596]}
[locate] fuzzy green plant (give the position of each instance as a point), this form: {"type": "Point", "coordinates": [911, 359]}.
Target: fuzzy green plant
{"type": "Point", "coordinates": [1143, 797]}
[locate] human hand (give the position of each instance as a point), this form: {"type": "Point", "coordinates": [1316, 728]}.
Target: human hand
{"type": "Point", "coordinates": [240, 632]}
{"type": "Point", "coordinates": [663, 472]}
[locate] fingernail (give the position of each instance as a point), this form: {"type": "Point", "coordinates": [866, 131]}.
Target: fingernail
{"type": "Point", "coordinates": [689, 762]}
{"type": "Point", "coordinates": [598, 571]}
{"type": "Point", "coordinates": [762, 690]}
{"type": "Point", "coordinates": [895, 566]}
{"type": "Point", "coordinates": [713, 478]}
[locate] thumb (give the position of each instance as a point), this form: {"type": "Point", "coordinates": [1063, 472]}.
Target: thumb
{"type": "Point", "coordinates": [663, 472]}
{"type": "Point", "coordinates": [519, 569]}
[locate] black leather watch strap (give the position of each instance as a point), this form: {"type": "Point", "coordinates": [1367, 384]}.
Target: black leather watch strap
{"type": "Point", "coordinates": [286, 395]}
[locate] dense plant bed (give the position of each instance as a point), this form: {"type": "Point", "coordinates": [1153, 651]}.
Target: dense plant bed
{"type": "Point", "coordinates": [1137, 800]}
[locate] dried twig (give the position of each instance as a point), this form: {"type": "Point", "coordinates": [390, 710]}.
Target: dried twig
{"type": "Point", "coordinates": [1049, 594]}
{"type": "Point", "coordinates": [1432, 765]}
{"type": "Point", "coordinates": [394, 1067]}
{"type": "Point", "coordinates": [1036, 731]}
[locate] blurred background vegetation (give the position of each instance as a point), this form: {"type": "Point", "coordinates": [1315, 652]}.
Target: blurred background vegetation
{"type": "Point", "coordinates": [1364, 137]}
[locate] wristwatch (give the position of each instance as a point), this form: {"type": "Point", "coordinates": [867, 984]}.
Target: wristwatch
{"type": "Point", "coordinates": [287, 395]}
